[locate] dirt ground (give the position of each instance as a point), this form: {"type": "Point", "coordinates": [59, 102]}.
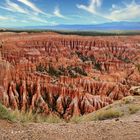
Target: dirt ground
{"type": "Point", "coordinates": [122, 129]}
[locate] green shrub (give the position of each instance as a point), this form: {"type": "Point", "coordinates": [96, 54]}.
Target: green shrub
{"type": "Point", "coordinates": [108, 114]}
{"type": "Point", "coordinates": [97, 66]}
{"type": "Point", "coordinates": [18, 116]}
{"type": "Point", "coordinates": [23, 117]}
{"type": "Point", "coordinates": [53, 72]}
{"type": "Point", "coordinates": [128, 99]}
{"type": "Point", "coordinates": [5, 114]}
{"type": "Point", "coordinates": [125, 60]}
{"type": "Point", "coordinates": [75, 119]}
{"type": "Point", "coordinates": [82, 57]}
{"type": "Point", "coordinates": [80, 71]}
{"type": "Point", "coordinates": [134, 108]}
{"type": "Point", "coordinates": [49, 119]}
{"type": "Point", "coordinates": [40, 68]}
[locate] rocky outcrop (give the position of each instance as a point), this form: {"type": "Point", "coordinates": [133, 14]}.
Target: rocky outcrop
{"type": "Point", "coordinates": [67, 75]}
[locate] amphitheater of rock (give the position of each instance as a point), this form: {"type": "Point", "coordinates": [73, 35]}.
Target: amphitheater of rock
{"type": "Point", "coordinates": [66, 75]}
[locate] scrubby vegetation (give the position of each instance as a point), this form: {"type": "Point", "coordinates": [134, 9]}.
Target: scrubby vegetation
{"type": "Point", "coordinates": [108, 114]}
{"type": "Point", "coordinates": [126, 59]}
{"type": "Point", "coordinates": [40, 68]}
{"type": "Point", "coordinates": [82, 57]}
{"type": "Point", "coordinates": [17, 116]}
{"type": "Point", "coordinates": [82, 33]}
{"type": "Point", "coordinates": [122, 108]}
{"type": "Point", "coordinates": [5, 114]}
{"type": "Point", "coordinates": [70, 70]}
{"type": "Point", "coordinates": [74, 71]}
{"type": "Point", "coordinates": [134, 108]}
{"type": "Point", "coordinates": [128, 99]}
{"type": "Point", "coordinates": [97, 66]}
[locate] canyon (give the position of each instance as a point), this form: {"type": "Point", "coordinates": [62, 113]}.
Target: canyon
{"type": "Point", "coordinates": [67, 75]}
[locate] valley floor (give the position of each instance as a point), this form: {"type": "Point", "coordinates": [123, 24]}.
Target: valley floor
{"type": "Point", "coordinates": [121, 129]}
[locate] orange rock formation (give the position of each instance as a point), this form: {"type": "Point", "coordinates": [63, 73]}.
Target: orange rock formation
{"type": "Point", "coordinates": [66, 75]}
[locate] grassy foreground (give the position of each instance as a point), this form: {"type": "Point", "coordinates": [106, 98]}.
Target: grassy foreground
{"type": "Point", "coordinates": [125, 107]}
{"type": "Point", "coordinates": [17, 116]}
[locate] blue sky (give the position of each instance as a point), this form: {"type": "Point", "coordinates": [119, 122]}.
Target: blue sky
{"type": "Point", "coordinates": [55, 12]}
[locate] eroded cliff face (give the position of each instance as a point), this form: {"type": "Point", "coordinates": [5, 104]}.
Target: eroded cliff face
{"type": "Point", "coordinates": [66, 75]}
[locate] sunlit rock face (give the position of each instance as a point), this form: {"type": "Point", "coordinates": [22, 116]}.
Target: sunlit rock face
{"type": "Point", "coordinates": [66, 75]}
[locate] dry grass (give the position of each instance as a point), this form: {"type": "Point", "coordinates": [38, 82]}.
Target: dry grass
{"type": "Point", "coordinates": [102, 114]}
{"type": "Point", "coordinates": [108, 114]}
{"type": "Point", "coordinates": [76, 119]}
{"type": "Point", "coordinates": [49, 119]}
{"type": "Point", "coordinates": [5, 114]}
{"type": "Point", "coordinates": [124, 107]}
{"type": "Point", "coordinates": [30, 117]}
{"type": "Point", "coordinates": [17, 116]}
{"type": "Point", "coordinates": [128, 99]}
{"type": "Point", "coordinates": [134, 108]}
{"type": "Point", "coordinates": [23, 117]}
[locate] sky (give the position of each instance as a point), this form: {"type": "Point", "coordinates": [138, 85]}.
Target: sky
{"type": "Point", "coordinates": [19, 13]}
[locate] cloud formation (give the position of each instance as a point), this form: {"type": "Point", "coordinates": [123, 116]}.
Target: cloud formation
{"type": "Point", "coordinates": [13, 7]}
{"type": "Point", "coordinates": [33, 7]}
{"type": "Point", "coordinates": [30, 14]}
{"type": "Point", "coordinates": [3, 18]}
{"type": "Point", "coordinates": [125, 12]}
{"type": "Point", "coordinates": [33, 12]}
{"type": "Point", "coordinates": [92, 7]}
{"type": "Point", "coordinates": [57, 13]}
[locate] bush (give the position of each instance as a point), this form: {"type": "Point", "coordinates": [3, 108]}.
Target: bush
{"type": "Point", "coordinates": [75, 119]}
{"type": "Point", "coordinates": [40, 68]}
{"type": "Point", "coordinates": [74, 71]}
{"type": "Point", "coordinates": [128, 99]}
{"type": "Point", "coordinates": [53, 72]}
{"type": "Point", "coordinates": [23, 117]}
{"type": "Point", "coordinates": [30, 117]}
{"type": "Point", "coordinates": [49, 119]}
{"type": "Point", "coordinates": [82, 57]}
{"type": "Point", "coordinates": [125, 60]}
{"type": "Point", "coordinates": [97, 66]}
{"type": "Point", "coordinates": [5, 114]}
{"type": "Point", "coordinates": [134, 108]}
{"type": "Point", "coordinates": [108, 114]}
{"type": "Point", "coordinates": [80, 71]}
{"type": "Point", "coordinates": [18, 116]}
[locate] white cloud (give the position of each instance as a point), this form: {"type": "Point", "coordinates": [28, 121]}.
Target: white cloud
{"type": "Point", "coordinates": [57, 13]}
{"type": "Point", "coordinates": [3, 18]}
{"type": "Point", "coordinates": [33, 7]}
{"type": "Point", "coordinates": [127, 12]}
{"type": "Point", "coordinates": [54, 23]}
{"type": "Point", "coordinates": [11, 6]}
{"type": "Point", "coordinates": [30, 15]}
{"type": "Point", "coordinates": [115, 13]}
{"type": "Point", "coordinates": [38, 19]}
{"type": "Point", "coordinates": [91, 7]}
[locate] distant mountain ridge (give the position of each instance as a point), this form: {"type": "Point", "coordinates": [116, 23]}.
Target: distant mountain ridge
{"type": "Point", "coordinates": [104, 26]}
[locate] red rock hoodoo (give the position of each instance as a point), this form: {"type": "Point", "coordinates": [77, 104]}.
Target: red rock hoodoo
{"type": "Point", "coordinates": [66, 75]}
